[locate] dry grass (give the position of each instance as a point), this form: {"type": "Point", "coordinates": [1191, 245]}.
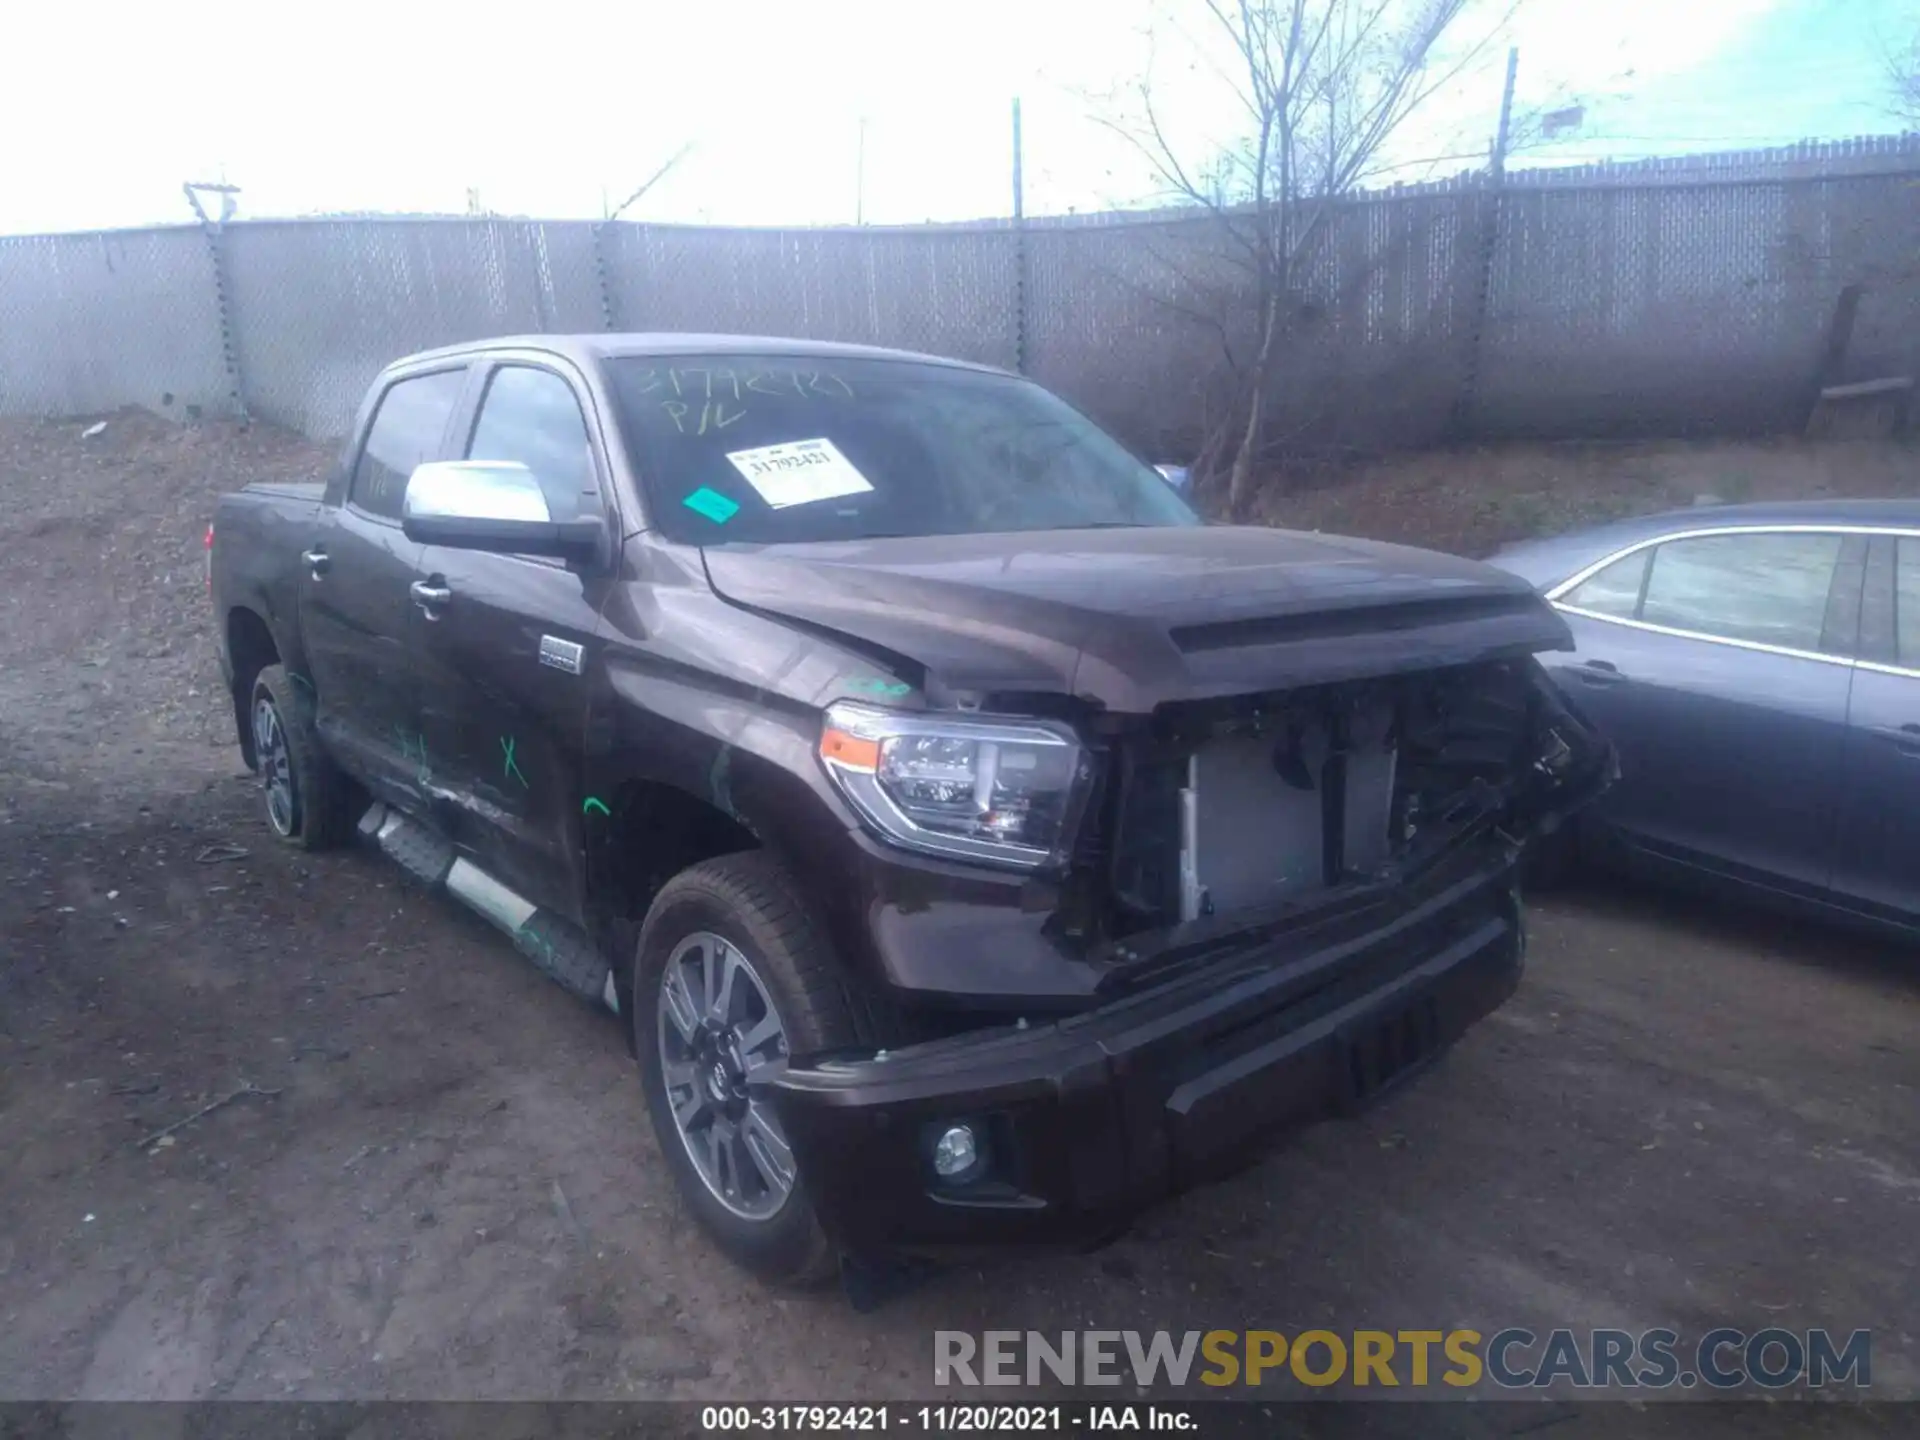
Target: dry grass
{"type": "Point", "coordinates": [1472, 501]}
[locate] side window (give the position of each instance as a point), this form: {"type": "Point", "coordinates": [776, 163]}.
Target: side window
{"type": "Point", "coordinates": [1906, 605]}
{"type": "Point", "coordinates": [1614, 590]}
{"type": "Point", "coordinates": [406, 430]}
{"type": "Point", "coordinates": [1766, 588]}
{"type": "Point", "coordinates": [532, 416]}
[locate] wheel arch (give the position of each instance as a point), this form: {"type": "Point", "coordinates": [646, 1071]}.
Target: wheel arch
{"type": "Point", "coordinates": [251, 648]}
{"type": "Point", "coordinates": [639, 834]}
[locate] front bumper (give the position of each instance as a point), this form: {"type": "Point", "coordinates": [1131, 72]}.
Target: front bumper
{"type": "Point", "coordinates": [1090, 1119]}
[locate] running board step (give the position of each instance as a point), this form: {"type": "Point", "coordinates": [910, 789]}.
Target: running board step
{"type": "Point", "coordinates": [420, 852]}
{"type": "Point", "coordinates": [555, 945]}
{"type": "Point", "coordinates": [565, 954]}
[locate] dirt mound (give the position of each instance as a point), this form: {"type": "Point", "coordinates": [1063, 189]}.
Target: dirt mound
{"type": "Point", "coordinates": [1471, 501]}
{"type": "Point", "coordinates": [107, 656]}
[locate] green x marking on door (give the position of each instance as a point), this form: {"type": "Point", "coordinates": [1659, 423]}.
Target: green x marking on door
{"type": "Point", "coordinates": [508, 766]}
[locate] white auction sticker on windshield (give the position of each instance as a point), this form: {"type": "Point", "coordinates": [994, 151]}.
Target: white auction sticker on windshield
{"type": "Point", "coordinates": [799, 472]}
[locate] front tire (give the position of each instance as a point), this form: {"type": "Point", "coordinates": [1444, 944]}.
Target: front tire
{"type": "Point", "coordinates": [731, 973]}
{"type": "Point", "coordinates": [308, 802]}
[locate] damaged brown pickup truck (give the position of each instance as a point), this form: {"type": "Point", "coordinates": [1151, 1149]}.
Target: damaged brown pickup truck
{"type": "Point", "coordinates": [979, 846]}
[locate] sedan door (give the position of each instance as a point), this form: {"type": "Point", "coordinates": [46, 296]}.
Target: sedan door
{"type": "Point", "coordinates": [1879, 845]}
{"type": "Point", "coordinates": [502, 650]}
{"type": "Point", "coordinates": [1718, 664]}
{"type": "Point", "coordinates": [355, 612]}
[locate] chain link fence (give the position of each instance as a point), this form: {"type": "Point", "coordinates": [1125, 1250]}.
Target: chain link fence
{"type": "Point", "coordinates": [1643, 300]}
{"type": "Point", "coordinates": [945, 290]}
{"type": "Point", "coordinates": [1693, 308]}
{"type": "Point", "coordinates": [322, 305]}
{"type": "Point", "coordinates": [92, 322]}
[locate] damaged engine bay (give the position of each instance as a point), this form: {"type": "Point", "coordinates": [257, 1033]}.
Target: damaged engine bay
{"type": "Point", "coordinates": [1238, 811]}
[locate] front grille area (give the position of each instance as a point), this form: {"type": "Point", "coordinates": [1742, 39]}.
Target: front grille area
{"type": "Point", "coordinates": [1274, 799]}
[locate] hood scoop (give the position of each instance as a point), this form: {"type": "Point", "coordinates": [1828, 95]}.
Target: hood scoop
{"type": "Point", "coordinates": [1354, 620]}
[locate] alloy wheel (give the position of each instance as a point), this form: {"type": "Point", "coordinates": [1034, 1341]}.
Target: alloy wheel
{"type": "Point", "coordinates": [276, 767]}
{"type": "Point", "coordinates": [717, 1027]}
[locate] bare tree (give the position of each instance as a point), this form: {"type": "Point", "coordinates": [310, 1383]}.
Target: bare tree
{"type": "Point", "coordinates": [1318, 89]}
{"type": "Point", "coordinates": [1903, 81]}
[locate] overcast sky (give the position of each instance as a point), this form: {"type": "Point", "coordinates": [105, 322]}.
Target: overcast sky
{"type": "Point", "coordinates": [553, 108]}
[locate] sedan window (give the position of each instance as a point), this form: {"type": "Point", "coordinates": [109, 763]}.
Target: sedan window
{"type": "Point", "coordinates": [1766, 588]}
{"type": "Point", "coordinates": [1614, 590]}
{"type": "Point", "coordinates": [1907, 608]}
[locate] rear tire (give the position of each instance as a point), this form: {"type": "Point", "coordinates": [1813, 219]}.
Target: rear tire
{"type": "Point", "coordinates": [746, 914]}
{"type": "Point", "coordinates": [308, 802]}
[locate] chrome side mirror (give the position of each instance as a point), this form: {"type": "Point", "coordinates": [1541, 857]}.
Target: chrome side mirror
{"type": "Point", "coordinates": [492, 505]}
{"type": "Point", "coordinates": [474, 490]}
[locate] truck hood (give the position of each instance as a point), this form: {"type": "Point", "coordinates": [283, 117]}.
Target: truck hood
{"type": "Point", "coordinates": [1130, 619]}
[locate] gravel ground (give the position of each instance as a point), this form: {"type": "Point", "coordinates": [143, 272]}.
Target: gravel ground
{"type": "Point", "coordinates": [445, 1186]}
{"type": "Point", "coordinates": [107, 660]}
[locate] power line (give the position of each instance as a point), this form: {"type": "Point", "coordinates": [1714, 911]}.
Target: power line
{"type": "Point", "coordinates": [1739, 141]}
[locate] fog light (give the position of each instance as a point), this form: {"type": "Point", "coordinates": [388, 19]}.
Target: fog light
{"type": "Point", "coordinates": [955, 1153]}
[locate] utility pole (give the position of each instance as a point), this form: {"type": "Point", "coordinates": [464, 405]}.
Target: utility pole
{"type": "Point", "coordinates": [1506, 117]}
{"type": "Point", "coordinates": [1019, 190]}
{"type": "Point", "coordinates": [1465, 401]}
{"type": "Point", "coordinates": [1019, 248]}
{"type": "Point", "coordinates": [215, 231]}
{"type": "Point", "coordinates": [860, 175]}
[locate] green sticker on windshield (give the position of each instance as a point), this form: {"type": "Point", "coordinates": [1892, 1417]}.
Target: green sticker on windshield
{"type": "Point", "coordinates": [712, 505]}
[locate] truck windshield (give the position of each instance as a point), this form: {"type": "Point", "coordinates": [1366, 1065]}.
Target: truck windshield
{"type": "Point", "coordinates": [765, 450]}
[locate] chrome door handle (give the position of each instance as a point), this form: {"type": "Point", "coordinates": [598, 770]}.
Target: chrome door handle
{"type": "Point", "coordinates": [316, 561]}
{"type": "Point", "coordinates": [1904, 738]}
{"type": "Point", "coordinates": [427, 597]}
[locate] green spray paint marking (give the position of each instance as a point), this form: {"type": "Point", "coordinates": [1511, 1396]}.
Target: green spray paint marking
{"type": "Point", "coordinates": [509, 767]}
{"type": "Point", "coordinates": [591, 804]}
{"type": "Point", "coordinates": [872, 685]}
{"type": "Point", "coordinates": [414, 748]}
{"type": "Point", "coordinates": [536, 947]}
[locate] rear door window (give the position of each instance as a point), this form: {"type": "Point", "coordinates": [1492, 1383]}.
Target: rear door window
{"type": "Point", "coordinates": [1906, 609]}
{"type": "Point", "coordinates": [1614, 590]}
{"type": "Point", "coordinates": [407, 429]}
{"type": "Point", "coordinates": [1770, 589]}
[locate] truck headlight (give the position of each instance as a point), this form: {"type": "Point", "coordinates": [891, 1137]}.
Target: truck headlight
{"type": "Point", "coordinates": [1005, 791]}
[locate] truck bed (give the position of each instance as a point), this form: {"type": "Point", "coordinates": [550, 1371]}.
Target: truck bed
{"type": "Point", "coordinates": [288, 489]}
{"type": "Point", "coordinates": [258, 534]}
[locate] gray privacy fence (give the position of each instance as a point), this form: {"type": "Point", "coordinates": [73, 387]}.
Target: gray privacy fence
{"type": "Point", "coordinates": [1691, 297]}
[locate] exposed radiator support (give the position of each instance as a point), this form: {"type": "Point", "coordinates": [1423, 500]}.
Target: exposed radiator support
{"type": "Point", "coordinates": [1192, 894]}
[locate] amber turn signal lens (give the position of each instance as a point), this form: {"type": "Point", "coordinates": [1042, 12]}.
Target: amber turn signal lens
{"type": "Point", "coordinates": [849, 750]}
